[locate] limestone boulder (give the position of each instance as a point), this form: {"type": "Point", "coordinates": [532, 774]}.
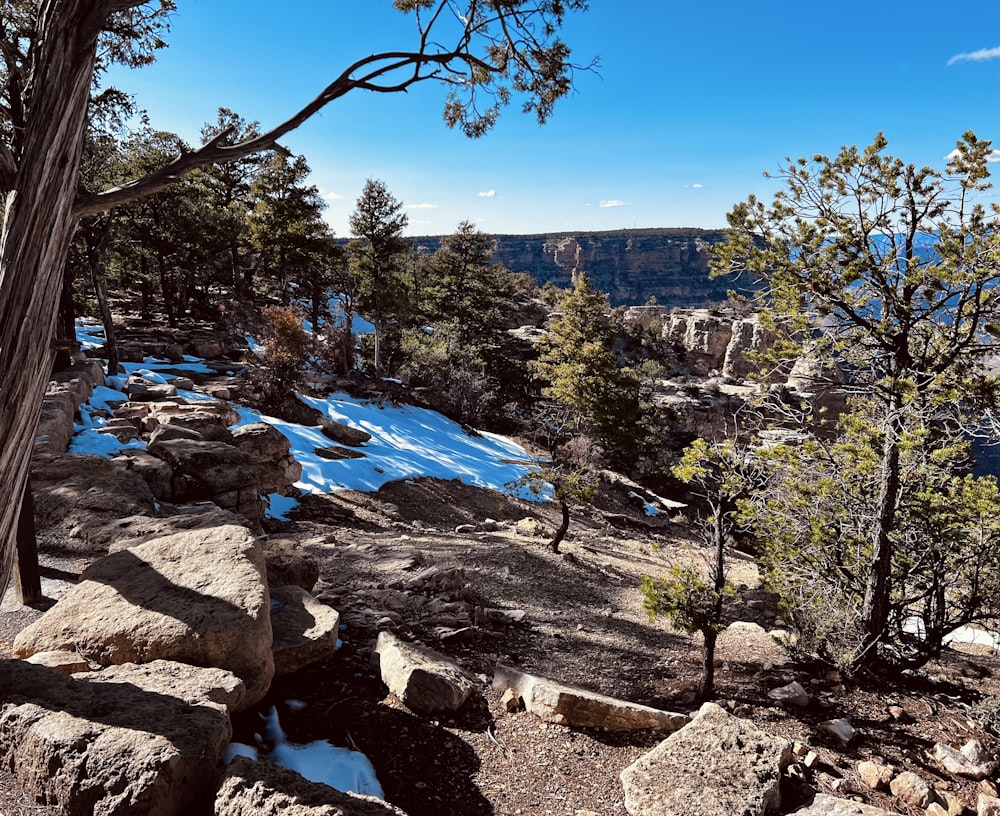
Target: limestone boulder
{"type": "Point", "coordinates": [305, 631]}
{"type": "Point", "coordinates": [207, 424]}
{"type": "Point", "coordinates": [749, 337]}
{"type": "Point", "coordinates": [129, 740]}
{"type": "Point", "coordinates": [197, 597]}
{"type": "Point", "coordinates": [62, 661]}
{"type": "Point", "coordinates": [344, 434]}
{"type": "Point", "coordinates": [211, 470]}
{"type": "Point", "coordinates": [424, 680]}
{"type": "Point", "coordinates": [141, 390]}
{"type": "Point", "coordinates": [154, 472]}
{"type": "Point", "coordinates": [78, 505]}
{"type": "Point", "coordinates": [251, 788]}
{"type": "Point", "coordinates": [270, 452]}
{"type": "Point", "coordinates": [580, 708]}
{"type": "Point", "coordinates": [824, 805]}
{"type": "Point", "coordinates": [717, 765]}
{"type": "Point", "coordinates": [131, 531]}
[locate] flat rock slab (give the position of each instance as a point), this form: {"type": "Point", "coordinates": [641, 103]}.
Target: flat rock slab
{"type": "Point", "coordinates": [717, 765]}
{"type": "Point", "coordinates": [129, 740]}
{"type": "Point", "coordinates": [425, 681]}
{"type": "Point", "coordinates": [579, 708]}
{"type": "Point", "coordinates": [198, 597]}
{"type": "Point", "coordinates": [305, 631]}
{"type": "Point", "coordinates": [252, 788]}
{"type": "Point", "coordinates": [824, 805]}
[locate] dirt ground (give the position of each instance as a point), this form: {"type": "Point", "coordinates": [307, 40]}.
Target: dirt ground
{"type": "Point", "coordinates": [583, 624]}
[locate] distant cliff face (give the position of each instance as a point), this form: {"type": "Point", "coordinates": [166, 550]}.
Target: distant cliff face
{"type": "Point", "coordinates": [630, 265]}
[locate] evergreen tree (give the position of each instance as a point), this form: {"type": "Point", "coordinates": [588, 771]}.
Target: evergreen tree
{"type": "Point", "coordinates": [887, 274]}
{"type": "Point", "coordinates": [377, 257]}
{"type": "Point", "coordinates": [579, 367]}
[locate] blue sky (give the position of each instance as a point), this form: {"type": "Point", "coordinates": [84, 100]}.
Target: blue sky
{"type": "Point", "coordinates": [692, 102]}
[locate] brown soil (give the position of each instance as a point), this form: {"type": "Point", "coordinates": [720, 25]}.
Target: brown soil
{"type": "Point", "coordinates": [584, 624]}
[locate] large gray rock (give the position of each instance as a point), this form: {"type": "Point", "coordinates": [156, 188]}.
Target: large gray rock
{"type": "Point", "coordinates": [197, 597]}
{"type": "Point", "coordinates": [252, 788]}
{"type": "Point", "coordinates": [305, 631]}
{"type": "Point", "coordinates": [425, 681]}
{"type": "Point", "coordinates": [208, 424]}
{"type": "Point", "coordinates": [344, 434]}
{"type": "Point", "coordinates": [717, 765]}
{"type": "Point", "coordinates": [131, 740]}
{"type": "Point", "coordinates": [824, 805]}
{"type": "Point", "coordinates": [579, 708]}
{"type": "Point", "coordinates": [270, 452]}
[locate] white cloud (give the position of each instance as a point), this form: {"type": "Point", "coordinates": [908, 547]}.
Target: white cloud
{"type": "Point", "coordinates": [697, 186]}
{"type": "Point", "coordinates": [992, 156]}
{"type": "Point", "coordinates": [332, 196]}
{"type": "Point", "coordinates": [421, 206]}
{"type": "Point", "coordinates": [488, 194]}
{"type": "Point", "coordinates": [613, 202]}
{"type": "Point", "coordinates": [976, 56]}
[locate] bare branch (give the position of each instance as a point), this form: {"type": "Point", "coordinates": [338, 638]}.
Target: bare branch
{"type": "Point", "coordinates": [214, 151]}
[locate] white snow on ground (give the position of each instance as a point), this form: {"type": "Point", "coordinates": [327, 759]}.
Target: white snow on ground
{"type": "Point", "coordinates": [407, 442]}
{"type": "Point", "coordinates": [341, 768]}
{"type": "Point", "coordinates": [89, 333]}
{"type": "Point", "coordinates": [963, 634]}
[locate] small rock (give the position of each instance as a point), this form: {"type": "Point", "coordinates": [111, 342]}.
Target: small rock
{"type": "Point", "coordinates": [792, 694]}
{"type": "Point", "coordinates": [839, 728]}
{"type": "Point", "coordinates": [875, 775]}
{"type": "Point", "coordinates": [971, 761]}
{"type": "Point", "coordinates": [911, 789]}
{"type": "Point", "coordinates": [511, 701]}
{"type": "Point", "coordinates": [987, 805]}
{"type": "Point", "coordinates": [62, 661]}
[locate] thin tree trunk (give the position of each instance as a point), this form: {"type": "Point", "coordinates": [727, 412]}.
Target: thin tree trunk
{"type": "Point", "coordinates": [27, 576]}
{"type": "Point", "coordinates": [706, 687]}
{"type": "Point", "coordinates": [563, 527]}
{"type": "Point", "coordinates": [100, 282]}
{"type": "Point", "coordinates": [37, 229]}
{"type": "Point", "coordinates": [876, 605]}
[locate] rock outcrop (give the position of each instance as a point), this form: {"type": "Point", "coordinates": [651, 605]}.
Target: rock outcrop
{"type": "Point", "coordinates": [128, 740]}
{"type": "Point", "coordinates": [630, 265]}
{"type": "Point", "coordinates": [169, 599]}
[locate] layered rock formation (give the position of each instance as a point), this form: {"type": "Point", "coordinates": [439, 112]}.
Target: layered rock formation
{"type": "Point", "coordinates": [630, 265]}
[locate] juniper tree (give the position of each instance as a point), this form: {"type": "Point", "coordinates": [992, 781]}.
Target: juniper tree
{"type": "Point", "coordinates": [888, 274]}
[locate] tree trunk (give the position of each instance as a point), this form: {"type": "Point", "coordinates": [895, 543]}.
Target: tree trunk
{"type": "Point", "coordinates": [100, 281]}
{"type": "Point", "coordinates": [563, 527]}
{"type": "Point", "coordinates": [38, 226]}
{"type": "Point", "coordinates": [706, 687]}
{"type": "Point", "coordinates": [27, 576]}
{"type": "Point", "coordinates": [876, 605]}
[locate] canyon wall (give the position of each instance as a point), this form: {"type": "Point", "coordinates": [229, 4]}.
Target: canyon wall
{"type": "Point", "coordinates": [670, 264]}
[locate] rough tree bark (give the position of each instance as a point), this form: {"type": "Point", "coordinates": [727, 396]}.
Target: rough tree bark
{"type": "Point", "coordinates": [38, 225]}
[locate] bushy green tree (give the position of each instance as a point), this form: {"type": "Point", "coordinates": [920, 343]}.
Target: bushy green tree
{"type": "Point", "coordinates": [461, 346]}
{"type": "Point", "coordinates": [579, 368]}
{"type": "Point", "coordinates": [887, 274]}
